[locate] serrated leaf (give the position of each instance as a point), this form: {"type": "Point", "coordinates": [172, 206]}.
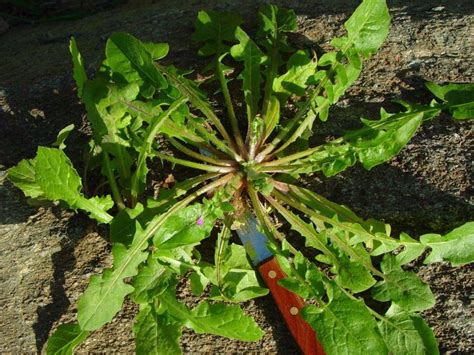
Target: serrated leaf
{"type": "Point", "coordinates": [377, 146]}
{"type": "Point", "coordinates": [304, 269]}
{"type": "Point", "coordinates": [138, 180]}
{"type": "Point", "coordinates": [313, 238]}
{"type": "Point", "coordinates": [403, 288]}
{"type": "Point", "coordinates": [249, 53]}
{"type": "Point", "coordinates": [224, 320]}
{"type": "Point", "coordinates": [274, 22]}
{"type": "Point", "coordinates": [214, 318]}
{"type": "Point", "coordinates": [79, 73]}
{"type": "Point", "coordinates": [300, 67]}
{"type": "Point", "coordinates": [345, 326]}
{"type": "Point", "coordinates": [406, 333]}
{"type": "Point", "coordinates": [372, 145]}
{"type": "Point", "coordinates": [456, 247]}
{"type": "Point", "coordinates": [216, 30]}
{"type": "Point", "coordinates": [65, 339]}
{"type": "Point", "coordinates": [23, 176]}
{"type": "Point", "coordinates": [459, 98]}
{"type": "Point", "coordinates": [151, 281]}
{"type": "Point", "coordinates": [156, 333]}
{"type": "Point", "coordinates": [51, 176]}
{"type": "Point", "coordinates": [353, 275]}
{"type": "Point", "coordinates": [237, 278]}
{"type": "Point", "coordinates": [129, 57]}
{"type": "Point", "coordinates": [412, 250]}
{"type": "Point", "coordinates": [368, 26]}
{"type": "Point", "coordinates": [105, 294]}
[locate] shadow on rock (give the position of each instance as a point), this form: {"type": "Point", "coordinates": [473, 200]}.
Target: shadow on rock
{"type": "Point", "coordinates": [63, 261]}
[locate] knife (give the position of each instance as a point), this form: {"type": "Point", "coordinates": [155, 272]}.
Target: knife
{"type": "Point", "coordinates": [289, 303]}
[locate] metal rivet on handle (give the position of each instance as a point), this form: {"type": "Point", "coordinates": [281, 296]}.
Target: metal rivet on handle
{"type": "Point", "coordinates": [272, 274]}
{"type": "Point", "coordinates": [294, 311]}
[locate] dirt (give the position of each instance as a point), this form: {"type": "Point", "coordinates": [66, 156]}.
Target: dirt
{"type": "Point", "coordinates": [48, 255]}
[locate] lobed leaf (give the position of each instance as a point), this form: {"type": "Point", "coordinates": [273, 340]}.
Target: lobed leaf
{"type": "Point", "coordinates": [214, 318]}
{"type": "Point", "coordinates": [237, 279]}
{"type": "Point", "coordinates": [459, 98]}
{"type": "Point", "coordinates": [156, 333]}
{"type": "Point", "coordinates": [130, 58]}
{"type": "Point", "coordinates": [105, 294]}
{"type": "Point", "coordinates": [372, 145]}
{"type": "Point", "coordinates": [457, 246]}
{"type": "Point", "coordinates": [215, 29]}
{"type": "Point", "coordinates": [344, 325]}
{"type": "Point", "coordinates": [249, 53]}
{"type": "Point", "coordinates": [51, 176]}
{"type": "Point", "coordinates": [403, 288]}
{"type": "Point", "coordinates": [224, 320]}
{"type": "Point", "coordinates": [406, 333]}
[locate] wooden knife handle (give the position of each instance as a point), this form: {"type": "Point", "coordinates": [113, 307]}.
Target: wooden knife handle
{"type": "Point", "coordinates": [290, 305]}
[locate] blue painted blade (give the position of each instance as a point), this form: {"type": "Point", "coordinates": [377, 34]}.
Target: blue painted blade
{"type": "Point", "coordinates": [255, 242]}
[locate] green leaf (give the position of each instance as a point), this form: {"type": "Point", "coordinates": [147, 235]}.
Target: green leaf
{"type": "Point", "coordinates": [368, 26]}
{"type": "Point", "coordinates": [224, 320]}
{"type": "Point", "coordinates": [23, 176]}
{"type": "Point", "coordinates": [372, 145]}
{"type": "Point", "coordinates": [403, 288]}
{"type": "Point", "coordinates": [274, 22]}
{"type": "Point", "coordinates": [313, 238]}
{"type": "Point", "coordinates": [216, 318]}
{"type": "Point", "coordinates": [65, 339]}
{"type": "Point", "coordinates": [130, 58]}
{"type": "Point", "coordinates": [197, 98]}
{"type": "Point", "coordinates": [104, 296]}
{"type": "Point", "coordinates": [62, 136]}
{"type": "Point", "coordinates": [187, 227]}
{"type": "Point", "coordinates": [215, 29]}
{"type": "Point", "coordinates": [51, 176]}
{"type": "Point", "coordinates": [412, 250]}
{"type": "Point", "coordinates": [300, 67]}
{"type": "Point", "coordinates": [156, 333]}
{"type": "Point", "coordinates": [383, 140]}
{"type": "Point", "coordinates": [79, 73]}
{"type": "Point", "coordinates": [157, 50]}
{"type": "Point", "coordinates": [151, 281]}
{"type": "Point", "coordinates": [106, 105]}
{"type": "Point", "coordinates": [248, 52]}
{"type": "Point", "coordinates": [345, 326]}
{"type": "Point", "coordinates": [406, 333]}
{"type": "Point", "coordinates": [139, 177]}
{"type": "Point", "coordinates": [303, 269]}
{"type": "Point", "coordinates": [457, 246]}
{"type": "Point", "coordinates": [123, 226]}
{"type": "Point", "coordinates": [459, 98]}
{"type": "Point", "coordinates": [352, 274]}
{"type": "Point", "coordinates": [237, 280]}
{"type": "Point", "coordinates": [107, 110]}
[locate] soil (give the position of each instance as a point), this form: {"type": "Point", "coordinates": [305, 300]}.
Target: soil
{"type": "Point", "coordinates": [48, 255]}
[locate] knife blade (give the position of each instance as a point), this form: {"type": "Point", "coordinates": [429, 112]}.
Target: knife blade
{"type": "Point", "coordinates": [289, 303]}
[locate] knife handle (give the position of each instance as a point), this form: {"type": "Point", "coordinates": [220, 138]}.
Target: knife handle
{"type": "Point", "coordinates": [290, 305]}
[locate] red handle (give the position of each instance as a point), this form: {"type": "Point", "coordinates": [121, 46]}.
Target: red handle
{"type": "Point", "coordinates": [290, 306]}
